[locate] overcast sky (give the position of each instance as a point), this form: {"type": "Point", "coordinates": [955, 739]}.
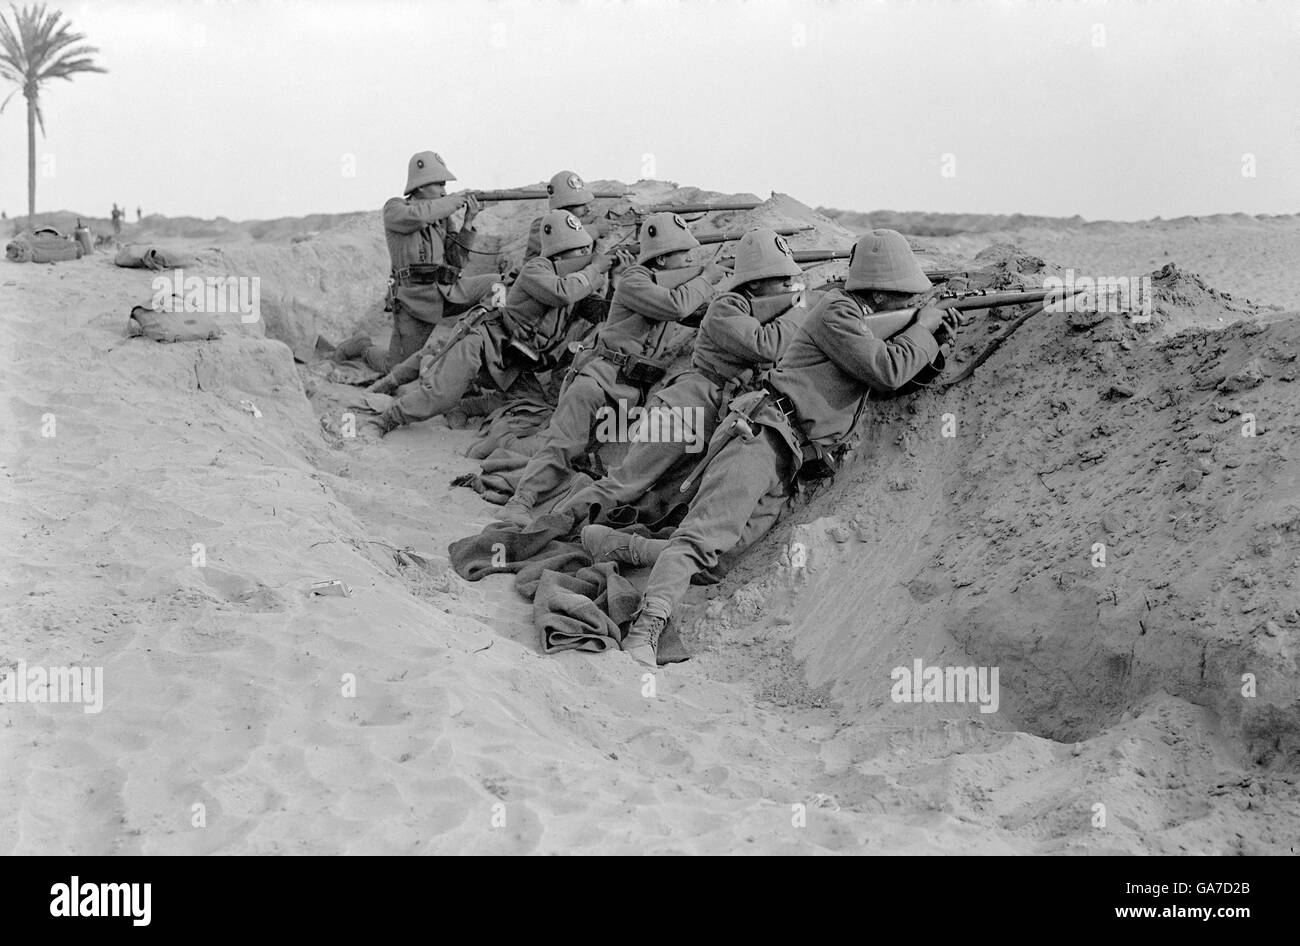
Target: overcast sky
{"type": "Point", "coordinates": [265, 109]}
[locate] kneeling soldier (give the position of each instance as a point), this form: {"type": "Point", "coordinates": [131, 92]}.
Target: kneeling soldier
{"type": "Point", "coordinates": [528, 337]}
{"type": "Point", "coordinates": [744, 331]}
{"type": "Point", "coordinates": [799, 426]}
{"type": "Point", "coordinates": [627, 357]}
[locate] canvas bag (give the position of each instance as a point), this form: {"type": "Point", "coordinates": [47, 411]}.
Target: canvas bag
{"type": "Point", "coordinates": [173, 326]}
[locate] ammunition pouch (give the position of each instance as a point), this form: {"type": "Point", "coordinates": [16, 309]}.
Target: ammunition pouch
{"type": "Point", "coordinates": [815, 461]}
{"type": "Point", "coordinates": [819, 463]}
{"type": "Point", "coordinates": [634, 369]}
{"type": "Point", "coordinates": [426, 274]}
{"type": "Point", "coordinates": [521, 355]}
{"type": "Point", "coordinates": [642, 372]}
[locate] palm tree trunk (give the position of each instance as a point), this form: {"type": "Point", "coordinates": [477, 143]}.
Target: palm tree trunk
{"type": "Point", "coordinates": [31, 161]}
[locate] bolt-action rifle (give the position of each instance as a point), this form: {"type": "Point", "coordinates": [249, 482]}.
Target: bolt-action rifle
{"type": "Point", "coordinates": [468, 322]}
{"type": "Point", "coordinates": [813, 257]}
{"type": "Point", "coordinates": [575, 263]}
{"type": "Point", "coordinates": [523, 194]}
{"type": "Point", "coordinates": [886, 325]}
{"type": "Point", "coordinates": [691, 212]}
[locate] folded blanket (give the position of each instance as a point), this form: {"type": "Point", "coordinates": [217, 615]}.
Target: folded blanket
{"type": "Point", "coordinates": [575, 612]}
{"type": "Point", "coordinates": [502, 548]}
{"type": "Point", "coordinates": [512, 428]}
{"type": "Point", "coordinates": [577, 604]}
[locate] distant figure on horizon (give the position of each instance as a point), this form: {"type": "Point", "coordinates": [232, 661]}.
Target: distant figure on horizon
{"type": "Point", "coordinates": [139, 215]}
{"type": "Point", "coordinates": [117, 219]}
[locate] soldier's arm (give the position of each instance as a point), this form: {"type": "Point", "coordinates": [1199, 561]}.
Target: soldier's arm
{"type": "Point", "coordinates": [407, 216]}
{"type": "Point", "coordinates": [729, 322]}
{"type": "Point", "coordinates": [643, 296]}
{"type": "Point", "coordinates": [456, 249]}
{"type": "Point", "coordinates": [882, 365]}
{"type": "Point", "coordinates": [534, 245]}
{"type": "Point", "coordinates": [544, 284]}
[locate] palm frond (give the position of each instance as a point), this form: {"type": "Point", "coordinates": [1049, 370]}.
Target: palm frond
{"type": "Point", "coordinates": [36, 46]}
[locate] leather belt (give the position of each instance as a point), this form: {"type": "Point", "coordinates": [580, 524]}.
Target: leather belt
{"type": "Point", "coordinates": [426, 274]}
{"type": "Point", "coordinates": [787, 409]}
{"type": "Point", "coordinates": [712, 376]}
{"type": "Point", "coordinates": [619, 358]}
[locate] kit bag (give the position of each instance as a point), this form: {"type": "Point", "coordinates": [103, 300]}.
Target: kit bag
{"type": "Point", "coordinates": [173, 326]}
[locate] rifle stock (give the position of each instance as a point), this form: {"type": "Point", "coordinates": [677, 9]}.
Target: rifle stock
{"type": "Point", "coordinates": [470, 321]}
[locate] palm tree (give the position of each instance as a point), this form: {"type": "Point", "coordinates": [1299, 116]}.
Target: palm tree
{"type": "Point", "coordinates": [36, 47]}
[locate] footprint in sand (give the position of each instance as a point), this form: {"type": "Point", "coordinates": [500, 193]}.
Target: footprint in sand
{"type": "Point", "coordinates": [655, 745]}
{"type": "Point", "coordinates": [249, 594]}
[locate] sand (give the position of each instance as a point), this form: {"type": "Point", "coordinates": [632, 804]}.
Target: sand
{"type": "Point", "coordinates": [418, 715]}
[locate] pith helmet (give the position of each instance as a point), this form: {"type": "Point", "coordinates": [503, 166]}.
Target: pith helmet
{"type": "Point", "coordinates": [665, 233]}
{"type": "Point", "coordinates": [426, 167]}
{"type": "Point", "coordinates": [568, 190]}
{"type": "Point", "coordinates": [763, 254]}
{"type": "Point", "coordinates": [882, 260]}
{"type": "Point", "coordinates": [562, 231]}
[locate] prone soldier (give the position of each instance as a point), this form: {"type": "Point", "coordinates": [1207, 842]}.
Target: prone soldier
{"type": "Point", "coordinates": [799, 426]}
{"type": "Point", "coordinates": [744, 331]}
{"type": "Point", "coordinates": [627, 356]}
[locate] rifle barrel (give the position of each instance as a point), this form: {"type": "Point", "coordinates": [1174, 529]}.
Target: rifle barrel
{"type": "Point", "coordinates": [983, 299]}
{"type": "Point", "coordinates": [819, 256]}
{"type": "Point", "coordinates": [804, 257]}
{"type": "Point", "coordinates": [888, 324]}
{"type": "Point", "coordinates": [699, 208]}
{"type": "Point", "coordinates": [522, 194]}
{"type": "Point", "coordinates": [727, 236]}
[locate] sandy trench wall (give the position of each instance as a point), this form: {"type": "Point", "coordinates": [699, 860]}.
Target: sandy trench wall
{"type": "Point", "coordinates": [981, 548]}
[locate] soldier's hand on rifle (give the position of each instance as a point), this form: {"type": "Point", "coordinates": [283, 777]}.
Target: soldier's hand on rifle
{"type": "Point", "coordinates": [714, 270]}
{"type": "Point", "coordinates": [931, 319]}
{"type": "Point", "coordinates": [625, 256]}
{"type": "Point", "coordinates": [603, 262]}
{"type": "Point", "coordinates": [385, 385]}
{"type": "Point", "coordinates": [472, 207]}
{"type": "Point", "coordinates": [953, 319]}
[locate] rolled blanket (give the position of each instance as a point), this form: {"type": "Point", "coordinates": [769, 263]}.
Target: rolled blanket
{"type": "Point", "coordinates": [46, 245]}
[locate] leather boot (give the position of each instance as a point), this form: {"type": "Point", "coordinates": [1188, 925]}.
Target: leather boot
{"type": "Point", "coordinates": [605, 544]}
{"type": "Point", "coordinates": [642, 639]}
{"type": "Point", "coordinates": [350, 348]}
{"type": "Point", "coordinates": [518, 511]}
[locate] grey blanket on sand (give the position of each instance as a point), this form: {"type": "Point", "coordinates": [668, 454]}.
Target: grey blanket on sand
{"type": "Point", "coordinates": [577, 604]}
